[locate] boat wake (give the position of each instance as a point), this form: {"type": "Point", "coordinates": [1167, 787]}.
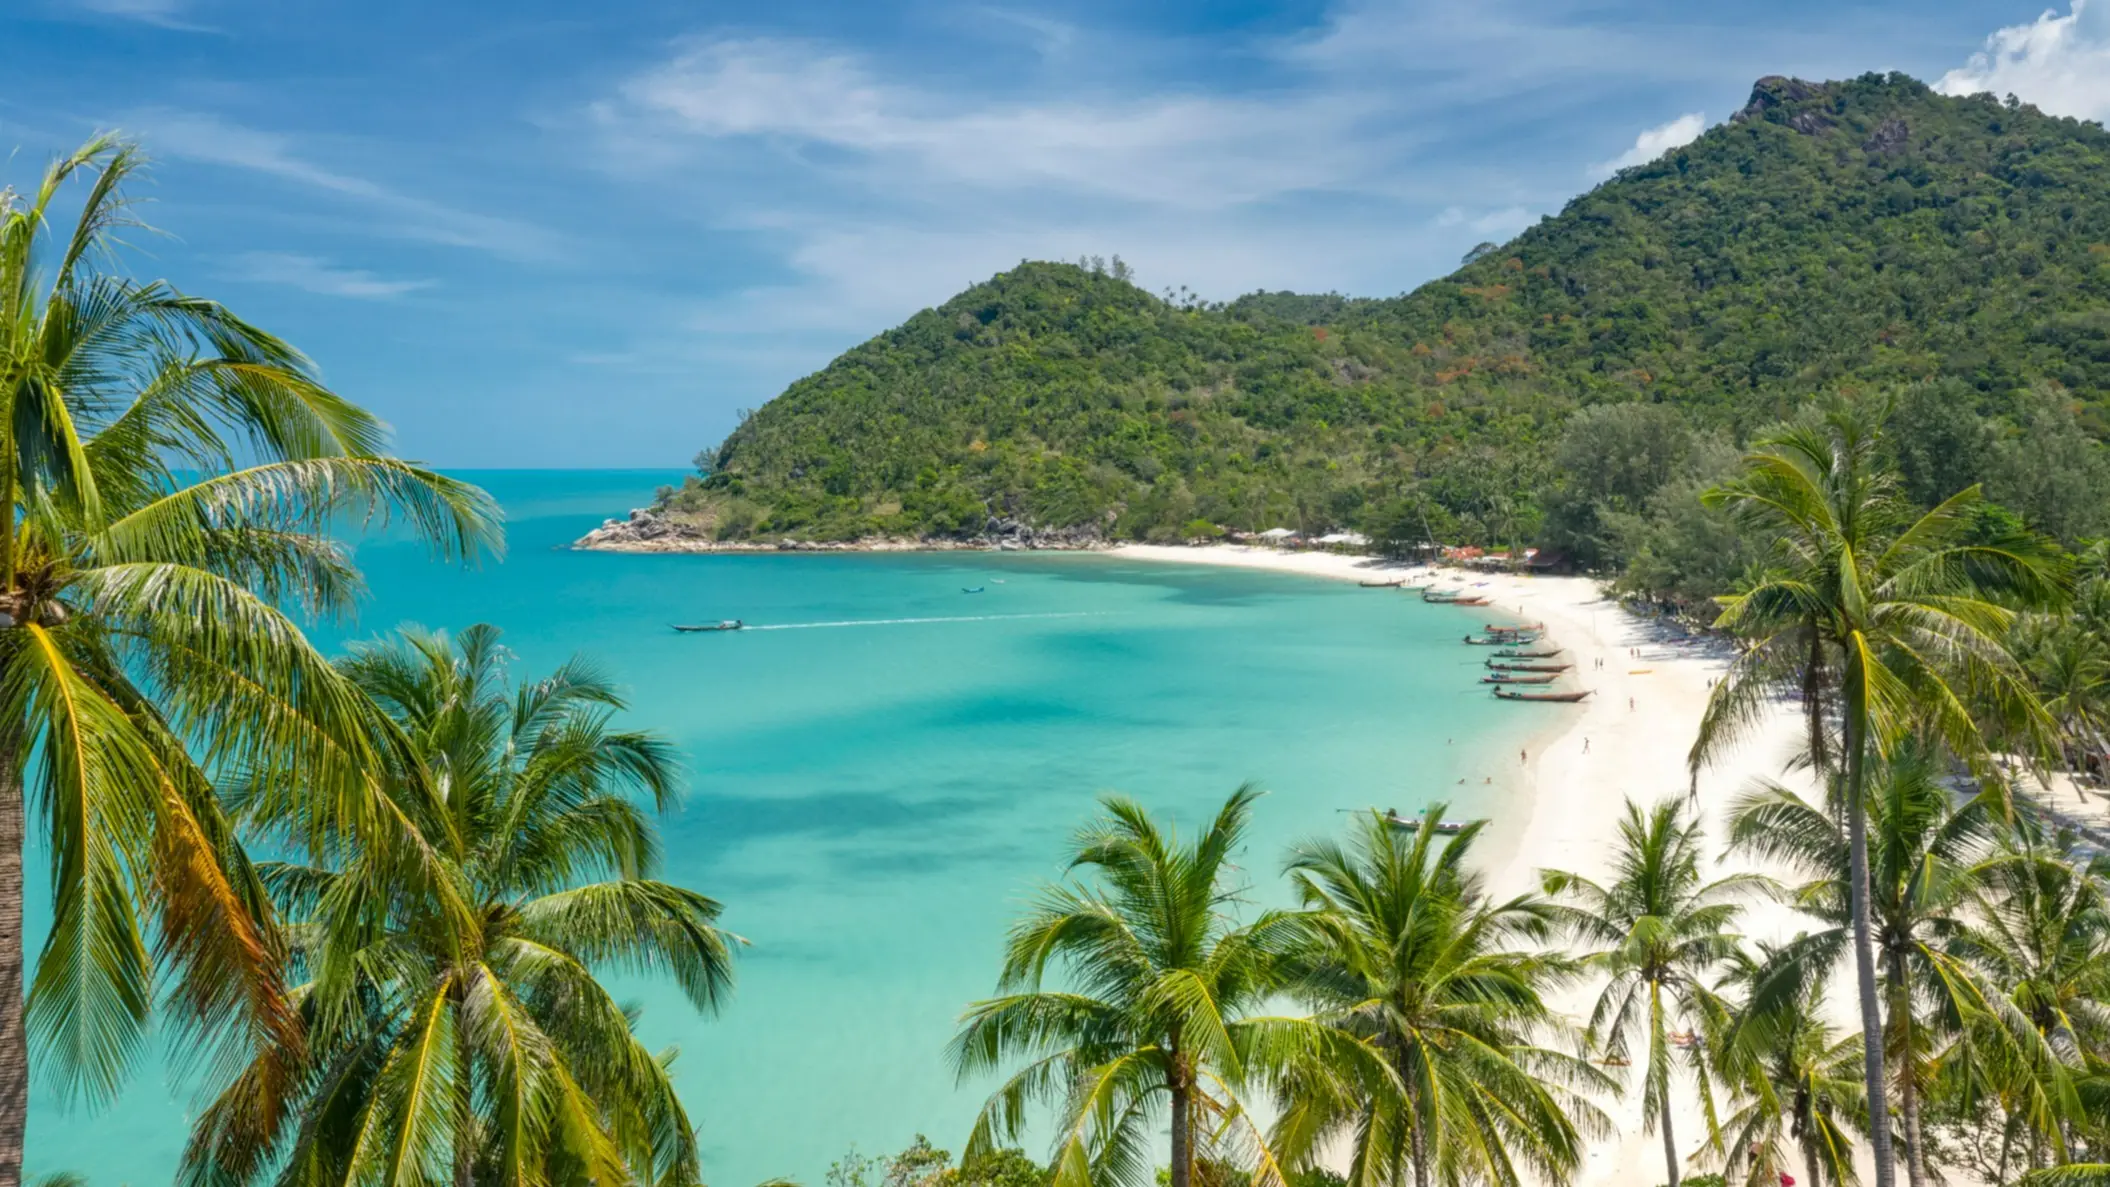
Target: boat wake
{"type": "Point", "coordinates": [808, 626]}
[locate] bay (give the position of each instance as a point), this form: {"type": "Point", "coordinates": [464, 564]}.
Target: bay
{"type": "Point", "coordinates": [882, 773]}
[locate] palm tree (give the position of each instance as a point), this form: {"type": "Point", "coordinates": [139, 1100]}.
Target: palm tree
{"type": "Point", "coordinates": [1403, 951]}
{"type": "Point", "coordinates": [1156, 1019]}
{"type": "Point", "coordinates": [2040, 929]}
{"type": "Point", "coordinates": [1660, 931]}
{"type": "Point", "coordinates": [2078, 1174]}
{"type": "Point", "coordinates": [2070, 666]}
{"type": "Point", "coordinates": [1922, 846]}
{"type": "Point", "coordinates": [464, 1036]}
{"type": "Point", "coordinates": [1798, 1078]}
{"type": "Point", "coordinates": [169, 476]}
{"type": "Point", "coordinates": [1882, 623]}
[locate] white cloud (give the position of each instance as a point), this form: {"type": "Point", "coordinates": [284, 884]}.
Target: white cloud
{"type": "Point", "coordinates": [310, 274]}
{"type": "Point", "coordinates": [1191, 150]}
{"type": "Point", "coordinates": [166, 13]}
{"type": "Point", "coordinates": [1654, 142]}
{"type": "Point", "coordinates": [207, 138]}
{"type": "Point", "coordinates": [2059, 63]}
{"type": "Point", "coordinates": [1361, 155]}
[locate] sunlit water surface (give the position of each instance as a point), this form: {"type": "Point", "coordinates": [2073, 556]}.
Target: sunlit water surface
{"type": "Point", "coordinates": [877, 787]}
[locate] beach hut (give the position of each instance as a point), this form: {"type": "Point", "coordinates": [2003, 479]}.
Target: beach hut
{"type": "Point", "coordinates": [1278, 535]}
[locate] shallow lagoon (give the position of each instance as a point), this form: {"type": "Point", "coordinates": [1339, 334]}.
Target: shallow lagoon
{"type": "Point", "coordinates": [873, 799]}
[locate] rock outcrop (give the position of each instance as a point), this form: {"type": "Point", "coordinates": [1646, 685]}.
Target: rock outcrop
{"type": "Point", "coordinates": [1889, 136]}
{"type": "Point", "coordinates": [647, 530]}
{"type": "Point", "coordinates": [1773, 91]}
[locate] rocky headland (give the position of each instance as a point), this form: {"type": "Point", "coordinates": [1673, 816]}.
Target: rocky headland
{"type": "Point", "coordinates": [649, 530]}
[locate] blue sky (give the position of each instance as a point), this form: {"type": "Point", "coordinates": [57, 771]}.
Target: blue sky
{"type": "Point", "coordinates": [535, 233]}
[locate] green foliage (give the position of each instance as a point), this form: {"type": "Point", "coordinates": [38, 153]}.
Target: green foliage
{"type": "Point", "coordinates": [447, 982]}
{"type": "Point", "coordinates": [1659, 930]}
{"type": "Point", "coordinates": [1443, 1066]}
{"type": "Point", "coordinates": [1612, 460]}
{"type": "Point", "coordinates": [170, 481]}
{"type": "Point", "coordinates": [921, 1165]}
{"type": "Point", "coordinates": [1889, 625]}
{"type": "Point", "coordinates": [1157, 1029]}
{"type": "Point", "coordinates": [1007, 1166]}
{"type": "Point", "coordinates": [855, 1170]}
{"type": "Point", "coordinates": [1857, 236]}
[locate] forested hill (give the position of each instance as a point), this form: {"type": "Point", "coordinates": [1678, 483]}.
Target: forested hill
{"type": "Point", "coordinates": [1851, 236]}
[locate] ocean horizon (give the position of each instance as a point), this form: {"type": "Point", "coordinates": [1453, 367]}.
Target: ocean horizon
{"type": "Point", "coordinates": [882, 773]}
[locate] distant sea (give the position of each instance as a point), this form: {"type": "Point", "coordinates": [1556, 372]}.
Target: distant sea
{"type": "Point", "coordinates": [881, 776]}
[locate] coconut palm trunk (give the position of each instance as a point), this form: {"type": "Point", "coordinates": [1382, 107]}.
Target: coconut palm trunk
{"type": "Point", "coordinates": [1670, 1147]}
{"type": "Point", "coordinates": [14, 1045]}
{"type": "Point", "coordinates": [1180, 1084]}
{"type": "Point", "coordinates": [1658, 1058]}
{"type": "Point", "coordinates": [1864, 949]}
{"type": "Point", "coordinates": [1417, 1126]}
{"type": "Point", "coordinates": [1901, 1023]}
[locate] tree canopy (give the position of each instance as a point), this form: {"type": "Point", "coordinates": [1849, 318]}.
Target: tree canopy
{"type": "Point", "coordinates": [1848, 237]}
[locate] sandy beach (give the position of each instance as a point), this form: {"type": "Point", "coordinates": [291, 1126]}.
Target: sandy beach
{"type": "Point", "coordinates": [1629, 740]}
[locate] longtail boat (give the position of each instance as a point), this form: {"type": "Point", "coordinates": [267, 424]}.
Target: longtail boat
{"type": "Point", "coordinates": [1482, 641]}
{"type": "Point", "coordinates": [1441, 595]}
{"type": "Point", "coordinates": [1515, 678]}
{"type": "Point", "coordinates": [730, 624]}
{"type": "Point", "coordinates": [1513, 653]}
{"type": "Point", "coordinates": [1446, 827]}
{"type": "Point", "coordinates": [1511, 666]}
{"type": "Point", "coordinates": [1533, 627]}
{"type": "Point", "coordinates": [1568, 698]}
{"type": "Point", "coordinates": [1382, 584]}
{"type": "Point", "coordinates": [1473, 601]}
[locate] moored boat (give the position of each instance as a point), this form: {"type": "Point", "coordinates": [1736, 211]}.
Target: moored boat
{"type": "Point", "coordinates": [1516, 678]}
{"type": "Point", "coordinates": [1562, 697]}
{"type": "Point", "coordinates": [730, 624]}
{"type": "Point", "coordinates": [1472, 601]}
{"type": "Point", "coordinates": [1500, 665]}
{"type": "Point", "coordinates": [1542, 653]}
{"type": "Point", "coordinates": [1449, 828]}
{"type": "Point", "coordinates": [1382, 584]}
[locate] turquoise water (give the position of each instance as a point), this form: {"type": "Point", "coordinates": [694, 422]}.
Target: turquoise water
{"type": "Point", "coordinates": [877, 787]}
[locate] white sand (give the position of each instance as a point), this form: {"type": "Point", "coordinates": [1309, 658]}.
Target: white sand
{"type": "Point", "coordinates": [1629, 740]}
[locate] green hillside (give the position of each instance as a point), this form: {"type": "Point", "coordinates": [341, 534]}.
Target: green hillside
{"type": "Point", "coordinates": [1856, 237]}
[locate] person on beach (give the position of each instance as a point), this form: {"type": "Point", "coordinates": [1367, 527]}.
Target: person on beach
{"type": "Point", "coordinates": [1586, 745]}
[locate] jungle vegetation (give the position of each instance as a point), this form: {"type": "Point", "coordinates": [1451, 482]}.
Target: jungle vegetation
{"type": "Point", "coordinates": [1865, 238]}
